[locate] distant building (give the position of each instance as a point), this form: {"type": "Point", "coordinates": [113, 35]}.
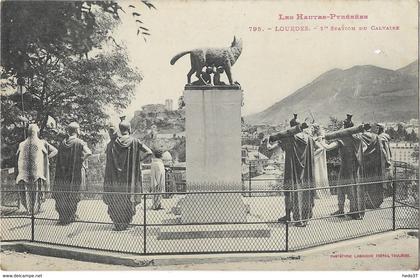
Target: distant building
{"type": "Point", "coordinates": [262, 128]}
{"type": "Point", "coordinates": [265, 182]}
{"type": "Point", "coordinates": [169, 103]}
{"type": "Point", "coordinates": [414, 122]}
{"type": "Point", "coordinates": [402, 151]}
{"type": "Point", "coordinates": [272, 170]}
{"type": "Point", "coordinates": [249, 136]}
{"type": "Point", "coordinates": [164, 136]}
{"type": "Point", "coordinates": [154, 108]}
{"type": "Point", "coordinates": [255, 160]}
{"type": "Point", "coordinates": [393, 125]}
{"type": "Point", "coordinates": [271, 178]}
{"type": "Point", "coordinates": [170, 135]}
{"type": "Point", "coordinates": [250, 147]}
{"type": "Point", "coordinates": [245, 150]}
{"type": "Point", "coordinates": [180, 134]}
{"type": "Point", "coordinates": [410, 129]}
{"type": "Point", "coordinates": [412, 125]}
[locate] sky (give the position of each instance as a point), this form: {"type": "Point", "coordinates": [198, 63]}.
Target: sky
{"type": "Point", "coordinates": [273, 64]}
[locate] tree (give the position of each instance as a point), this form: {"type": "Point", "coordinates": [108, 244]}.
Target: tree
{"type": "Point", "coordinates": [81, 91]}
{"type": "Point", "coordinates": [44, 30]}
{"type": "Point", "coordinates": [401, 133]}
{"type": "Point", "coordinates": [333, 156]}
{"type": "Point", "coordinates": [46, 44]}
{"type": "Point", "coordinates": [334, 124]}
{"type": "Point", "coordinates": [412, 137]}
{"type": "Point", "coordinates": [181, 150]}
{"type": "Point", "coordinates": [392, 133]}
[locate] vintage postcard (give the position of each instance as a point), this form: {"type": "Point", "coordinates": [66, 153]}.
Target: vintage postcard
{"type": "Point", "coordinates": [209, 135]}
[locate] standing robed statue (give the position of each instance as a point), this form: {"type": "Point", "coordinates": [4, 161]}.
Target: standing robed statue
{"type": "Point", "coordinates": [124, 155]}
{"type": "Point", "coordinates": [69, 174]}
{"type": "Point", "coordinates": [33, 169]}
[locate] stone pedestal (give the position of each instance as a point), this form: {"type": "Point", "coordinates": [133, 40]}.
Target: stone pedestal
{"type": "Point", "coordinates": [213, 154]}
{"type": "Point", "coordinates": [213, 132]}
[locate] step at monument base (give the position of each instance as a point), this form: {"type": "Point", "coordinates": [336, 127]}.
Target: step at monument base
{"type": "Point", "coordinates": [214, 231]}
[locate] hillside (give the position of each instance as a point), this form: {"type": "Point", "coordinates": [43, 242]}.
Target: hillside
{"type": "Point", "coordinates": [370, 93]}
{"type": "Point", "coordinates": [161, 129]}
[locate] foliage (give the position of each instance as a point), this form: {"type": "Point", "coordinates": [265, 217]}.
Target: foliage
{"type": "Point", "coordinates": [334, 124]}
{"type": "Point", "coordinates": [39, 30]}
{"type": "Point", "coordinates": [333, 157]}
{"type": "Point", "coordinates": [166, 122]}
{"type": "Point", "coordinates": [253, 142]}
{"type": "Point", "coordinates": [79, 90]}
{"type": "Point", "coordinates": [181, 151]}
{"type": "Point", "coordinates": [401, 134]}
{"type": "Point", "coordinates": [72, 67]}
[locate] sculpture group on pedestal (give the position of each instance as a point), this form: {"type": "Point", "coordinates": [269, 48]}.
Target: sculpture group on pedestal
{"type": "Point", "coordinates": [208, 61]}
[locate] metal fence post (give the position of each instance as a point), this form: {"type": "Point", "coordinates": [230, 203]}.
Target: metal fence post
{"type": "Point", "coordinates": [287, 235]}
{"type": "Point", "coordinates": [249, 180]}
{"type": "Point", "coordinates": [32, 198]}
{"type": "Point", "coordinates": [144, 224]}
{"type": "Point", "coordinates": [394, 184]}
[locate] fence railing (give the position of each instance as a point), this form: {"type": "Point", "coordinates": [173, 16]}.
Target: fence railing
{"type": "Point", "coordinates": [201, 222]}
{"type": "Point", "coordinates": [253, 175]}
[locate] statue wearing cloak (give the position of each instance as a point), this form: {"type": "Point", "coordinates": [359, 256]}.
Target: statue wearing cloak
{"type": "Point", "coordinates": [350, 145]}
{"type": "Point", "coordinates": [33, 169]}
{"type": "Point", "coordinates": [68, 177]}
{"type": "Point", "coordinates": [386, 156]}
{"type": "Point", "coordinates": [123, 174]}
{"type": "Point", "coordinates": [374, 170]}
{"type": "Point", "coordinates": [298, 173]}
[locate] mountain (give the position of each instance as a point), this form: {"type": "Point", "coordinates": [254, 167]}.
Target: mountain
{"type": "Point", "coordinates": [410, 69]}
{"type": "Point", "coordinates": [368, 92]}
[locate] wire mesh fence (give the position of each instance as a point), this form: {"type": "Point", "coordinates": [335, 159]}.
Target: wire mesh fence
{"type": "Point", "coordinates": [204, 222]}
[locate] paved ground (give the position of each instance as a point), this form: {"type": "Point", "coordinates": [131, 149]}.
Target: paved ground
{"type": "Point", "coordinates": [262, 209]}
{"type": "Point", "coordinates": [390, 251]}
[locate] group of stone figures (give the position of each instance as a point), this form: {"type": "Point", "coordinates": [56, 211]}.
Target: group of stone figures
{"type": "Point", "coordinates": [365, 165]}
{"type": "Point", "coordinates": [365, 156]}
{"type": "Point", "coordinates": [210, 76]}
{"type": "Point", "coordinates": [124, 155]}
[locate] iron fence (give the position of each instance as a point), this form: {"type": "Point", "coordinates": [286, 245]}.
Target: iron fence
{"type": "Point", "coordinates": [203, 222]}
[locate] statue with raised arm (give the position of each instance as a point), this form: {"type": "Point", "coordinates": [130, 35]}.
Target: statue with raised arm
{"type": "Point", "coordinates": [209, 57]}
{"type": "Point", "coordinates": [299, 150]}
{"type": "Point", "coordinates": [349, 141]}
{"type": "Point", "coordinates": [377, 162]}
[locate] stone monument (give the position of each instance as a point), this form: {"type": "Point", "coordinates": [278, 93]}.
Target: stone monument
{"type": "Point", "coordinates": [213, 130]}
{"type": "Point", "coordinates": [213, 133]}
{"type": "Point", "coordinates": [213, 154]}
